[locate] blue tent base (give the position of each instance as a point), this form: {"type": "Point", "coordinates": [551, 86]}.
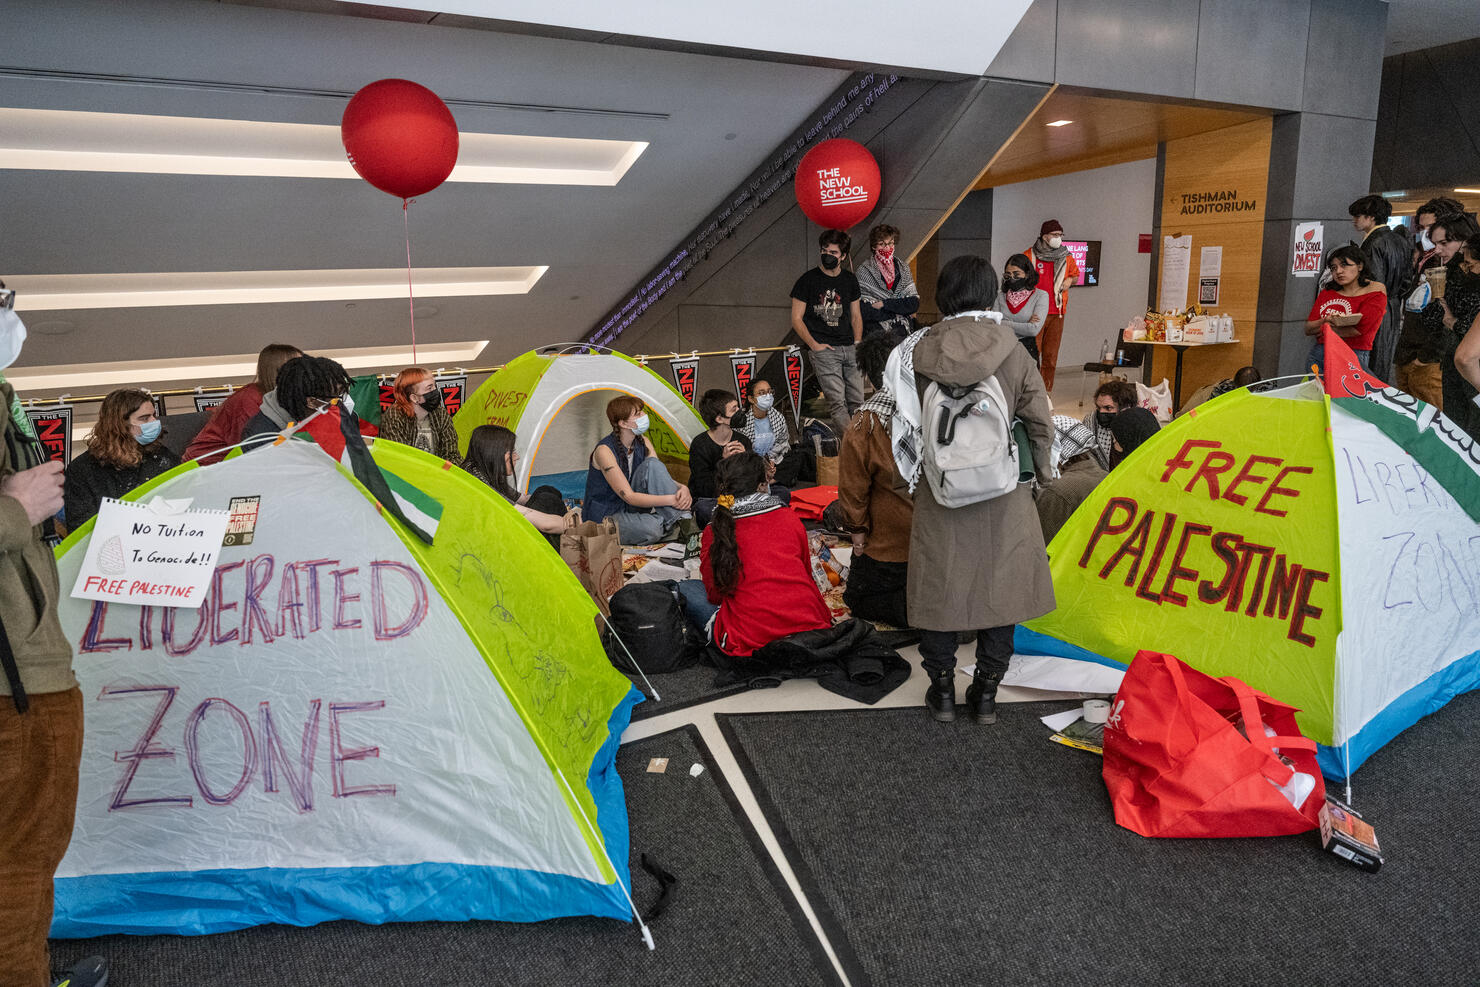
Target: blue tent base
{"type": "Point", "coordinates": [1429, 696]}
{"type": "Point", "coordinates": [1030, 642]}
{"type": "Point", "coordinates": [204, 902]}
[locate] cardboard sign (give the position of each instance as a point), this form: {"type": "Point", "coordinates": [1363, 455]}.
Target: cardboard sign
{"type": "Point", "coordinates": [743, 367]}
{"type": "Point", "coordinates": [794, 381]}
{"type": "Point", "coordinates": [204, 402]}
{"type": "Point", "coordinates": [53, 427]}
{"type": "Point", "coordinates": [685, 376]}
{"type": "Point", "coordinates": [1309, 246]}
{"type": "Point", "coordinates": [157, 553]}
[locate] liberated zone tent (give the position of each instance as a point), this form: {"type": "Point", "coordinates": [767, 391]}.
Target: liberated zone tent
{"type": "Point", "coordinates": [1326, 551]}
{"type": "Point", "coordinates": [556, 404]}
{"type": "Point", "coordinates": [354, 725]}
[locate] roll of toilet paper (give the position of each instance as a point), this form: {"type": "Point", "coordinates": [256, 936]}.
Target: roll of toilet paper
{"type": "Point", "coordinates": [1096, 711]}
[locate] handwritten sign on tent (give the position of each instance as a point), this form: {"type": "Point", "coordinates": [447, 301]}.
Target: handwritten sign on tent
{"type": "Point", "coordinates": [159, 553]}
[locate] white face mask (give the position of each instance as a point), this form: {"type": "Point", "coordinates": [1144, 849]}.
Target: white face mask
{"type": "Point", "coordinates": [348, 404]}
{"type": "Point", "coordinates": [640, 425]}
{"type": "Point", "coordinates": [1055, 242]}
{"type": "Point", "coordinates": [765, 401]}
{"type": "Point", "coordinates": [12, 337]}
{"type": "Point", "coordinates": [1424, 241]}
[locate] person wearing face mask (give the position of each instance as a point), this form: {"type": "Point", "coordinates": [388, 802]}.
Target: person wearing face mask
{"type": "Point", "coordinates": [1023, 304]}
{"type": "Point", "coordinates": [888, 294]}
{"type": "Point", "coordinates": [306, 386]}
{"type": "Point", "coordinates": [627, 482]}
{"type": "Point", "coordinates": [417, 417]}
{"type": "Point", "coordinates": [492, 459]}
{"type": "Point", "coordinates": [724, 416]}
{"type": "Point", "coordinates": [1131, 428]}
{"type": "Point", "coordinates": [40, 702]}
{"type": "Point", "coordinates": [765, 427]}
{"type": "Point", "coordinates": [123, 451]}
{"type": "Point", "coordinates": [1417, 358]}
{"type": "Point", "coordinates": [1057, 272]}
{"type": "Point", "coordinates": [1447, 319]}
{"type": "Point", "coordinates": [825, 315]}
{"type": "Point", "coordinates": [1352, 294]}
{"type": "Point", "coordinates": [1111, 398]}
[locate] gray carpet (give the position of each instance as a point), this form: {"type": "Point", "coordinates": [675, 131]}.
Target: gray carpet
{"type": "Point", "coordinates": [730, 919]}
{"type": "Point", "coordinates": [681, 689]}
{"type": "Point", "coordinates": [958, 854]}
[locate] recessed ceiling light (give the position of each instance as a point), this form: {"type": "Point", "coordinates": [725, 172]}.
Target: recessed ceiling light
{"type": "Point", "coordinates": [1471, 191]}
{"type": "Point", "coordinates": [1059, 123]}
{"type": "Point", "coordinates": [43, 292]}
{"type": "Point", "coordinates": [68, 140]}
{"type": "Point", "coordinates": [205, 370]}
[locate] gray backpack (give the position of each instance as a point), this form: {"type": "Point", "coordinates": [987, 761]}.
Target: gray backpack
{"type": "Point", "coordinates": [970, 452]}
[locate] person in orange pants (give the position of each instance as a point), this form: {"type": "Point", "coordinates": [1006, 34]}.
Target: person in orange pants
{"type": "Point", "coordinates": [1057, 270]}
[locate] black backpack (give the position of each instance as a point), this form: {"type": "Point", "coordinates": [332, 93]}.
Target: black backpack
{"type": "Point", "coordinates": [649, 619]}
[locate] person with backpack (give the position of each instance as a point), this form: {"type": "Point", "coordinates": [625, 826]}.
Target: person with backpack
{"type": "Point", "coordinates": [756, 566]}
{"type": "Point", "coordinates": [980, 564]}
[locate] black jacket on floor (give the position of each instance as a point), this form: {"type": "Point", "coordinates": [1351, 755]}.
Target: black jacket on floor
{"type": "Point", "coordinates": [848, 658]}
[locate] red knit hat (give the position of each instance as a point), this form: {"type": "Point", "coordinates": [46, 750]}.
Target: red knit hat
{"type": "Point", "coordinates": [1050, 226]}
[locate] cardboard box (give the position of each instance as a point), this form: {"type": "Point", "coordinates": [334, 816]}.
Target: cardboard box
{"type": "Point", "coordinates": [1201, 330]}
{"type": "Point", "coordinates": [1345, 833]}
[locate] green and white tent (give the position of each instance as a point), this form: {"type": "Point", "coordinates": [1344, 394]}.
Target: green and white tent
{"type": "Point", "coordinates": [355, 724]}
{"type": "Point", "coordinates": [555, 403]}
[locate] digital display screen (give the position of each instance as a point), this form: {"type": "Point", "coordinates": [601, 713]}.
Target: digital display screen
{"type": "Point", "coordinates": [1087, 256]}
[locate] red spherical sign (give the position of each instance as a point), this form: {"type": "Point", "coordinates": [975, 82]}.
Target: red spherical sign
{"type": "Point", "coordinates": [400, 137]}
{"type": "Point", "coordinates": [837, 183]}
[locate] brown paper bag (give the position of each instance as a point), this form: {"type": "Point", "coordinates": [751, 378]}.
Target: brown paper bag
{"type": "Point", "coordinates": [594, 553]}
{"type": "Point", "coordinates": [827, 471]}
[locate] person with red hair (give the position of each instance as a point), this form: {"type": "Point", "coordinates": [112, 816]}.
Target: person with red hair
{"type": "Point", "coordinates": [417, 417]}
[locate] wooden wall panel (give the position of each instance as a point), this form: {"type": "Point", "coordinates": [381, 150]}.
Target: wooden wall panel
{"type": "Point", "coordinates": [1237, 159]}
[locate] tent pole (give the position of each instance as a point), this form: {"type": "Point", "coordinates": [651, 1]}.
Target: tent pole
{"type": "Point", "coordinates": [651, 687]}
{"type": "Point", "coordinates": [647, 934]}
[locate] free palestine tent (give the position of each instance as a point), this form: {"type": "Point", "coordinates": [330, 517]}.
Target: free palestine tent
{"type": "Point", "coordinates": [1324, 550]}
{"type": "Point", "coordinates": [556, 404]}
{"type": "Point", "coordinates": [354, 725]}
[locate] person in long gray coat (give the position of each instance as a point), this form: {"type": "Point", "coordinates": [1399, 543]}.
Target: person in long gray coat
{"type": "Point", "coordinates": [983, 566]}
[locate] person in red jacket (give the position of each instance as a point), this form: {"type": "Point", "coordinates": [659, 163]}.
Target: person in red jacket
{"type": "Point", "coordinates": [756, 565]}
{"type": "Point", "coordinates": [224, 428]}
{"type": "Point", "coordinates": [1353, 294]}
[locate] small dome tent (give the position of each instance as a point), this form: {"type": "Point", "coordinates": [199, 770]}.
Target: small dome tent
{"type": "Point", "coordinates": [555, 402]}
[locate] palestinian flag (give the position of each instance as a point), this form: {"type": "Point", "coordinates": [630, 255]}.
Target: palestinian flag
{"type": "Point", "coordinates": [408, 504]}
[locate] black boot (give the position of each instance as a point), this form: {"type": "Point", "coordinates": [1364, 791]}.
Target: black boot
{"type": "Point", "coordinates": [981, 696]}
{"type": "Point", "coordinates": [941, 696]}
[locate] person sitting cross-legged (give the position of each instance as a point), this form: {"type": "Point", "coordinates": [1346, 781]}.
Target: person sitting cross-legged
{"type": "Point", "coordinates": [627, 482]}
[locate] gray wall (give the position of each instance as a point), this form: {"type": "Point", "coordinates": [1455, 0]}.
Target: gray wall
{"type": "Point", "coordinates": [1314, 62]}
{"type": "Point", "coordinates": [1428, 119]}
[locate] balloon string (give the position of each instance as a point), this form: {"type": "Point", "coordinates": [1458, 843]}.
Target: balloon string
{"type": "Point", "coordinates": [410, 291]}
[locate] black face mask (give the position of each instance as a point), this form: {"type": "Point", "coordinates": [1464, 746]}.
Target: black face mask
{"type": "Point", "coordinates": [737, 420]}
{"type": "Point", "coordinates": [432, 400]}
{"type": "Point", "coordinates": [1104, 418]}
{"type": "Point", "coordinates": [1018, 284]}
{"type": "Point", "coordinates": [830, 262]}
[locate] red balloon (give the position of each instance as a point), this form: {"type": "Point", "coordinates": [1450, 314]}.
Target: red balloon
{"type": "Point", "coordinates": [400, 137]}
{"type": "Point", "coordinates": [837, 183]}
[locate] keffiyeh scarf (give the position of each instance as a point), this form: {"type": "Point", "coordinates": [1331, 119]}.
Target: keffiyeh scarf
{"type": "Point", "coordinates": [906, 435]}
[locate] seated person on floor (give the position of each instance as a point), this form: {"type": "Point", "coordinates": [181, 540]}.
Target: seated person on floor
{"type": "Point", "coordinates": [1243, 378]}
{"type": "Point", "coordinates": [721, 412]}
{"type": "Point", "coordinates": [874, 502]}
{"type": "Point", "coordinates": [627, 482]}
{"type": "Point", "coordinates": [125, 450]}
{"type": "Point", "coordinates": [1076, 458]}
{"type": "Point", "coordinates": [491, 458]}
{"type": "Point", "coordinates": [1130, 428]}
{"type": "Point", "coordinates": [1111, 398]}
{"type": "Point", "coordinates": [765, 427]}
{"type": "Point", "coordinates": [756, 564]}
{"type": "Point", "coordinates": [307, 385]}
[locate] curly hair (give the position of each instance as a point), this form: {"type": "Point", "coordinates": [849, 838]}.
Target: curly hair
{"type": "Point", "coordinates": [735, 476]}
{"type": "Point", "coordinates": [401, 389]}
{"type": "Point", "coordinates": [307, 377]}
{"type": "Point", "coordinates": [1122, 392]}
{"type": "Point", "coordinates": [112, 441]}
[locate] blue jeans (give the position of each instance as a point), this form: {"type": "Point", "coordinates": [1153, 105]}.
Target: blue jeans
{"type": "Point", "coordinates": [645, 526]}
{"type": "Point", "coordinates": [696, 605]}
{"type": "Point", "coordinates": [1317, 356]}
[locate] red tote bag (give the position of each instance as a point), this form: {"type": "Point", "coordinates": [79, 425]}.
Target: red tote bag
{"type": "Point", "coordinates": [1176, 764]}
